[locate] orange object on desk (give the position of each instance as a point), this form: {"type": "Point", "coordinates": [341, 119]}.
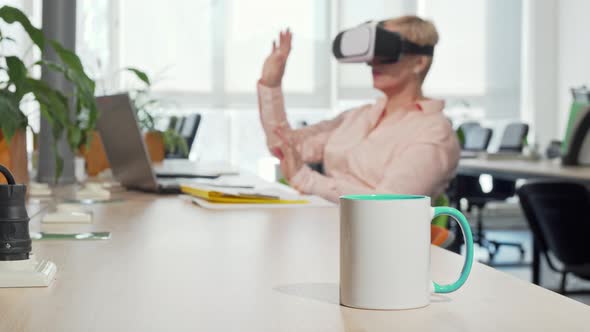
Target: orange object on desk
{"type": "Point", "coordinates": [440, 236]}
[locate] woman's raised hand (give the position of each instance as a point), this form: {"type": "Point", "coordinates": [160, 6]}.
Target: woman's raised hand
{"type": "Point", "coordinates": [274, 65]}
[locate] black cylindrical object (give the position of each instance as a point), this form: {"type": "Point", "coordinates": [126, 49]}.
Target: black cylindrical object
{"type": "Point", "coordinates": [15, 241]}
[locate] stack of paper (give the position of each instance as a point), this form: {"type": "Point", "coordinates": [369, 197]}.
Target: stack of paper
{"type": "Point", "coordinates": [229, 195]}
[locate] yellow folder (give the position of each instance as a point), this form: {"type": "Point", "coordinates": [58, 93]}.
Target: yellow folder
{"type": "Point", "coordinates": [216, 196]}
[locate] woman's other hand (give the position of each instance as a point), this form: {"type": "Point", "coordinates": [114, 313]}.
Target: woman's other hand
{"type": "Point", "coordinates": [291, 161]}
{"type": "Point", "coordinates": [274, 65]}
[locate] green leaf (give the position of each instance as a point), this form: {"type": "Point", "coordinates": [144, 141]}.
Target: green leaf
{"type": "Point", "coordinates": [68, 57]}
{"type": "Point", "coordinates": [12, 117]}
{"type": "Point", "coordinates": [74, 71]}
{"type": "Point", "coordinates": [8, 39]}
{"type": "Point", "coordinates": [173, 141]}
{"type": "Point", "coordinates": [85, 108]}
{"type": "Point", "coordinates": [147, 104]}
{"type": "Point", "coordinates": [74, 136]}
{"type": "Point", "coordinates": [56, 104]}
{"type": "Point", "coordinates": [11, 14]}
{"type": "Point", "coordinates": [140, 74]}
{"type": "Point", "coordinates": [51, 65]}
{"type": "Point", "coordinates": [460, 136]}
{"type": "Point", "coordinates": [146, 120]}
{"type": "Point", "coordinates": [17, 73]}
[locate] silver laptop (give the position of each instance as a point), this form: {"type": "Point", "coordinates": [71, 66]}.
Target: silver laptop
{"type": "Point", "coordinates": [127, 154]}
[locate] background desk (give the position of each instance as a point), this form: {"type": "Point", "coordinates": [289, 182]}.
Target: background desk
{"type": "Point", "coordinates": [525, 169]}
{"type": "Point", "coordinates": [171, 266]}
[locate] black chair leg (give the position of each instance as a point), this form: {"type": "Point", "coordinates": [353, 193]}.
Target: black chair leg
{"type": "Point", "coordinates": [490, 245]}
{"type": "Point", "coordinates": [480, 238]}
{"type": "Point", "coordinates": [456, 245]}
{"type": "Point", "coordinates": [453, 227]}
{"type": "Point", "coordinates": [563, 282]}
{"type": "Point", "coordinates": [519, 246]}
{"type": "Point", "coordinates": [536, 263]}
{"type": "Point", "coordinates": [479, 228]}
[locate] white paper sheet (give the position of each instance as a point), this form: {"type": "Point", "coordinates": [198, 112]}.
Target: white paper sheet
{"type": "Point", "coordinates": [314, 202]}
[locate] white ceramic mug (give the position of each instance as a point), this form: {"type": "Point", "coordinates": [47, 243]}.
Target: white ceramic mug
{"type": "Point", "coordinates": [385, 251]}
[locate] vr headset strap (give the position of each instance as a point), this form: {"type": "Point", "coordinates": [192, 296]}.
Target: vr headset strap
{"type": "Point", "coordinates": [411, 48]}
{"type": "Point", "coordinates": [386, 45]}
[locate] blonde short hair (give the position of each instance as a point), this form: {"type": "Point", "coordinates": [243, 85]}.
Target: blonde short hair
{"type": "Point", "coordinates": [416, 30]}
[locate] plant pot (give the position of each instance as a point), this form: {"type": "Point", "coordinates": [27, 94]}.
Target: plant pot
{"type": "Point", "coordinates": [154, 142]}
{"type": "Point", "coordinates": [95, 156]}
{"type": "Point", "coordinates": [14, 156]}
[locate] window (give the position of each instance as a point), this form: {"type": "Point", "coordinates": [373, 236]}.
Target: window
{"type": "Point", "coordinates": [210, 52]}
{"type": "Point", "coordinates": [173, 43]}
{"type": "Point", "coordinates": [246, 31]}
{"type": "Point", "coordinates": [93, 41]}
{"type": "Point", "coordinates": [477, 61]}
{"type": "Point", "coordinates": [206, 56]}
{"type": "Point", "coordinates": [207, 52]}
{"type": "Point", "coordinates": [478, 58]}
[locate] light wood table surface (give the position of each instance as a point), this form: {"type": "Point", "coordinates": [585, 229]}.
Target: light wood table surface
{"type": "Point", "coordinates": [524, 169]}
{"type": "Point", "coordinates": [172, 266]}
{"type": "Point", "coordinates": [514, 169]}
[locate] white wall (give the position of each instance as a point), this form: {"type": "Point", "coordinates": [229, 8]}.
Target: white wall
{"type": "Point", "coordinates": [555, 57]}
{"type": "Point", "coordinates": [574, 53]}
{"type": "Point", "coordinates": [539, 107]}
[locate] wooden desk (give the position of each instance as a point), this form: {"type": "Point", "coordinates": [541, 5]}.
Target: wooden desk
{"type": "Point", "coordinates": [171, 266]}
{"type": "Point", "coordinates": [524, 169]}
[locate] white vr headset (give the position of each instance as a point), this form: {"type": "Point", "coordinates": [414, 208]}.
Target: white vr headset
{"type": "Point", "coordinates": [371, 41]}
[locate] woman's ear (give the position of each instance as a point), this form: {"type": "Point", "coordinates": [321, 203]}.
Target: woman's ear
{"type": "Point", "coordinates": [421, 64]}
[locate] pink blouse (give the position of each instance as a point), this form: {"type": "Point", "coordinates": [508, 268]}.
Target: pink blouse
{"type": "Point", "coordinates": [413, 150]}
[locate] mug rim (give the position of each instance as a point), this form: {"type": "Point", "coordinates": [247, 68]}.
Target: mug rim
{"type": "Point", "coordinates": [381, 197]}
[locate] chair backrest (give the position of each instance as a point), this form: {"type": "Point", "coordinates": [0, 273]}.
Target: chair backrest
{"type": "Point", "coordinates": [189, 128]}
{"type": "Point", "coordinates": [477, 139]}
{"type": "Point", "coordinates": [179, 124]}
{"type": "Point", "coordinates": [514, 137]}
{"type": "Point", "coordinates": [465, 127]}
{"type": "Point", "coordinates": [186, 127]}
{"type": "Point", "coordinates": [172, 121]}
{"type": "Point", "coordinates": [513, 140]}
{"type": "Point", "coordinates": [557, 213]}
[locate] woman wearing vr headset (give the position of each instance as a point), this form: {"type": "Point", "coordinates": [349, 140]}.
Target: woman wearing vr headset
{"type": "Point", "coordinates": [400, 144]}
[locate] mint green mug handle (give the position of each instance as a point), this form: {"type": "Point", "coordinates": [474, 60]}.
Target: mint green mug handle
{"type": "Point", "coordinates": [466, 230]}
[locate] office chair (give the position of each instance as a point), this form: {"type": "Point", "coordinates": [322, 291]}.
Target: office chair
{"type": "Point", "coordinates": [512, 141]}
{"type": "Point", "coordinates": [172, 121]}
{"type": "Point", "coordinates": [469, 187]}
{"type": "Point", "coordinates": [557, 213]}
{"type": "Point", "coordinates": [179, 124]}
{"type": "Point", "coordinates": [477, 138]}
{"type": "Point", "coordinates": [465, 127]}
{"type": "Point", "coordinates": [514, 137]}
{"type": "Point", "coordinates": [187, 128]}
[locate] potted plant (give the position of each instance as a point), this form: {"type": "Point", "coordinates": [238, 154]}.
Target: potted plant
{"type": "Point", "coordinates": [147, 109]}
{"type": "Point", "coordinates": [157, 141]}
{"type": "Point", "coordinates": [21, 88]}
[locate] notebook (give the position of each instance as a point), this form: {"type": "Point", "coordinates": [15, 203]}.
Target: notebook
{"type": "Point", "coordinates": [228, 195]}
